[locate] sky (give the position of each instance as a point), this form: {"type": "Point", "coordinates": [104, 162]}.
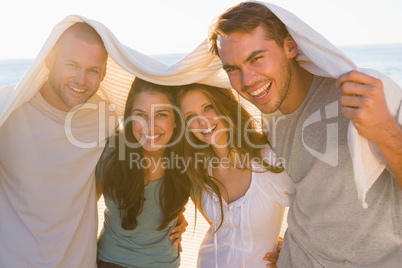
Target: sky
{"type": "Point", "coordinates": [179, 26]}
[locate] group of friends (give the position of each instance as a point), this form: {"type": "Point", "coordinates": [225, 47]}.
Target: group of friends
{"type": "Point", "coordinates": [238, 178]}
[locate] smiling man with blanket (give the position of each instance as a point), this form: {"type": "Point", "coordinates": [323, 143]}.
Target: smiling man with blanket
{"type": "Point", "coordinates": [303, 86]}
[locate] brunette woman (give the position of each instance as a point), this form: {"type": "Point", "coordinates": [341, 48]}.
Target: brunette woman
{"type": "Point", "coordinates": [144, 191]}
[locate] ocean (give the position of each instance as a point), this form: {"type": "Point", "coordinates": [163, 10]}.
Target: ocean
{"type": "Point", "coordinates": [384, 58]}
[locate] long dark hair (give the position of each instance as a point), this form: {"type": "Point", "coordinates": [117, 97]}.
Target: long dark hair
{"type": "Point", "coordinates": [242, 122]}
{"type": "Point", "coordinates": [124, 182]}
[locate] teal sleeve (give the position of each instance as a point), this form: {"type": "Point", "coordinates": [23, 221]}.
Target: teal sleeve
{"type": "Point", "coordinates": [103, 162]}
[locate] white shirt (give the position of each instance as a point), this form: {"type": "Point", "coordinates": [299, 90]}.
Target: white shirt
{"type": "Point", "coordinates": [251, 224]}
{"type": "Point", "coordinates": [48, 215]}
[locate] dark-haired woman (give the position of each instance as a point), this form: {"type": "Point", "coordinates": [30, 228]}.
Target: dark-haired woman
{"type": "Point", "coordinates": [144, 191]}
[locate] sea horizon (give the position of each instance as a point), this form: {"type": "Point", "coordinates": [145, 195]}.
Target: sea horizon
{"type": "Point", "coordinates": [386, 58]}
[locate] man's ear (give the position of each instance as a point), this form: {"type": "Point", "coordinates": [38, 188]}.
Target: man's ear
{"type": "Point", "coordinates": [290, 47]}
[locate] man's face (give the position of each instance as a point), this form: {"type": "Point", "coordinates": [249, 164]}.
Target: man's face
{"type": "Point", "coordinates": [76, 69]}
{"type": "Point", "coordinates": [258, 69]}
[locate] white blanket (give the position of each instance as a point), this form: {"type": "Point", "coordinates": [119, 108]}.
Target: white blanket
{"type": "Point", "coordinates": [316, 54]}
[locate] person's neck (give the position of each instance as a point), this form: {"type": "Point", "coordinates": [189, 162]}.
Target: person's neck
{"type": "Point", "coordinates": [153, 154]}
{"type": "Point", "coordinates": [226, 161]}
{"type": "Point", "coordinates": [154, 170]}
{"type": "Point", "coordinates": [299, 87]}
{"type": "Point", "coordinates": [221, 152]}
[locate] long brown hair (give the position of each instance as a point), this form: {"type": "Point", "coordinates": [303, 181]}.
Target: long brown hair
{"type": "Point", "coordinates": [242, 122]}
{"type": "Point", "coordinates": [124, 182]}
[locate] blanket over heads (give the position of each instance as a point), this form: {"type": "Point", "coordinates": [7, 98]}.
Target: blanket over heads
{"type": "Point", "coordinates": [315, 54]}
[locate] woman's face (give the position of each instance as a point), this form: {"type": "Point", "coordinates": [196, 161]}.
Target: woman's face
{"type": "Point", "coordinates": [153, 120]}
{"type": "Point", "coordinates": [202, 118]}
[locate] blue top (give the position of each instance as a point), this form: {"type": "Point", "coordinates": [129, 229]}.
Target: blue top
{"type": "Point", "coordinates": [144, 246]}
